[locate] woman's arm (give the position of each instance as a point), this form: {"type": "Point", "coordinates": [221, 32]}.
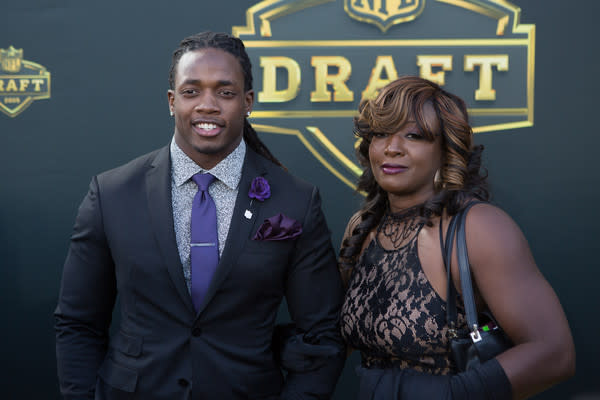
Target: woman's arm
{"type": "Point", "coordinates": [521, 300]}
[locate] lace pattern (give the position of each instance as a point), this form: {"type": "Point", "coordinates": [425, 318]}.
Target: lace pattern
{"type": "Point", "coordinates": [391, 313]}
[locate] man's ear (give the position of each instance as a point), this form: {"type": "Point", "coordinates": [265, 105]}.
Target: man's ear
{"type": "Point", "coordinates": [249, 100]}
{"type": "Point", "coordinates": [171, 100]}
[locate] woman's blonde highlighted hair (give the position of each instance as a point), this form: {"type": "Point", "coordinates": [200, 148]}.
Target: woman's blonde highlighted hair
{"type": "Point", "coordinates": [460, 177]}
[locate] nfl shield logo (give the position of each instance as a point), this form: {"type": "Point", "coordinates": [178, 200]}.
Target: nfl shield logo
{"type": "Point", "coordinates": [384, 13]}
{"type": "Point", "coordinates": [10, 59]}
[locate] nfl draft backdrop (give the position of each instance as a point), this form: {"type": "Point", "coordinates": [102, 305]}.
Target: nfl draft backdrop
{"type": "Point", "coordinates": [83, 89]}
{"type": "Point", "coordinates": [313, 79]}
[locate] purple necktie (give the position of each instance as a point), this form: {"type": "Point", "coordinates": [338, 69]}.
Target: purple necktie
{"type": "Point", "coordinates": [204, 246]}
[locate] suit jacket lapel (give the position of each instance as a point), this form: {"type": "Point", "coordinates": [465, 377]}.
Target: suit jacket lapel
{"type": "Point", "coordinates": [241, 226]}
{"type": "Point", "coordinates": [158, 193]}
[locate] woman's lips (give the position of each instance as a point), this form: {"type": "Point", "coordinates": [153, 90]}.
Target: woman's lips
{"type": "Point", "coordinates": [392, 169]}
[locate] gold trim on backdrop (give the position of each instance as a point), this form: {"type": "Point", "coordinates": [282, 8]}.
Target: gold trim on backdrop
{"type": "Point", "coordinates": [348, 164]}
{"type": "Point", "coordinates": [309, 147]}
{"type": "Point", "coordinates": [267, 16]}
{"type": "Point", "coordinates": [322, 139]}
{"type": "Point", "coordinates": [505, 126]}
{"type": "Point", "coordinates": [484, 9]}
{"type": "Point", "coordinates": [385, 43]}
{"type": "Point", "coordinates": [249, 28]}
{"type": "Point", "coordinates": [352, 113]}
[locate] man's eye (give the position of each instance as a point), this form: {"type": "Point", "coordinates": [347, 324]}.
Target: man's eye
{"type": "Point", "coordinates": [188, 92]}
{"type": "Point", "coordinates": [227, 93]}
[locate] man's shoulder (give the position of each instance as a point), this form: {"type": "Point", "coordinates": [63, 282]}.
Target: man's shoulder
{"type": "Point", "coordinates": [134, 168]}
{"type": "Point", "coordinates": [285, 178]}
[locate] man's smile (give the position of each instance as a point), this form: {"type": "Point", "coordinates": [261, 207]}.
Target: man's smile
{"type": "Point", "coordinates": [207, 128]}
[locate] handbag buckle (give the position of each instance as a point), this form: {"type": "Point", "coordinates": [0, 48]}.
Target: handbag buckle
{"type": "Point", "coordinates": [451, 333]}
{"type": "Point", "coordinates": [475, 336]}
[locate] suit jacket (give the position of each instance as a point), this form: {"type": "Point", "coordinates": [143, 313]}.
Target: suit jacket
{"type": "Point", "coordinates": [124, 243]}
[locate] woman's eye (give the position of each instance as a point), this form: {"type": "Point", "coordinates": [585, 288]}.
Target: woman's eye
{"type": "Point", "coordinates": [414, 135]}
{"type": "Point", "coordinates": [379, 134]}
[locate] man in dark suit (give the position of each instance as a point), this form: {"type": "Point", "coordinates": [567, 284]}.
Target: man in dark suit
{"type": "Point", "coordinates": [197, 315]}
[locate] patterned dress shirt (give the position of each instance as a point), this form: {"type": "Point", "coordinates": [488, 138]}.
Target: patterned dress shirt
{"type": "Point", "coordinates": [223, 191]}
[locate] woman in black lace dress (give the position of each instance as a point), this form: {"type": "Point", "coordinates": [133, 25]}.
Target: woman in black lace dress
{"type": "Point", "coordinates": [420, 168]}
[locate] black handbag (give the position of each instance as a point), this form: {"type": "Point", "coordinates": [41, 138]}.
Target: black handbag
{"type": "Point", "coordinates": [478, 343]}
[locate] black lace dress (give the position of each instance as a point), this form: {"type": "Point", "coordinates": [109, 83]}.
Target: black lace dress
{"type": "Point", "coordinates": [391, 313]}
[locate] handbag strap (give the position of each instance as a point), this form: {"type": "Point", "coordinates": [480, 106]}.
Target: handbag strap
{"type": "Point", "coordinates": [457, 226]}
{"type": "Point", "coordinates": [451, 313]}
{"type": "Point", "coordinates": [465, 270]}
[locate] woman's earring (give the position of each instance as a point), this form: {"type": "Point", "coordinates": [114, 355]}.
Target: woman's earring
{"type": "Point", "coordinates": [171, 112]}
{"type": "Point", "coordinates": [247, 113]}
{"type": "Point", "coordinates": [437, 180]}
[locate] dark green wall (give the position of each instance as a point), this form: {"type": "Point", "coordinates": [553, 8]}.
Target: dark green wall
{"type": "Point", "coordinates": [109, 65]}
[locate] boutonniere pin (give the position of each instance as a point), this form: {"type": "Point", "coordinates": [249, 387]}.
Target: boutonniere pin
{"type": "Point", "coordinates": [259, 190]}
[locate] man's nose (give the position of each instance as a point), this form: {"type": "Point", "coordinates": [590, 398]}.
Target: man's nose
{"type": "Point", "coordinates": [207, 103]}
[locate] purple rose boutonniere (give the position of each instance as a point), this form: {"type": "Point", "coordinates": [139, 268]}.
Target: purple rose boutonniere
{"type": "Point", "coordinates": [259, 189]}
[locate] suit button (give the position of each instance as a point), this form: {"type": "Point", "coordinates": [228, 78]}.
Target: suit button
{"type": "Point", "coordinates": [196, 332]}
{"type": "Point", "coordinates": [182, 382]}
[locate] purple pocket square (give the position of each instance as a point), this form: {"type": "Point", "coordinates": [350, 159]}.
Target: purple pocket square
{"type": "Point", "coordinates": [278, 227]}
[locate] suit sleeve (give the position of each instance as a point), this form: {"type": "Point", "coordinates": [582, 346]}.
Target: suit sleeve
{"type": "Point", "coordinates": [314, 296]}
{"type": "Point", "coordinates": [85, 303]}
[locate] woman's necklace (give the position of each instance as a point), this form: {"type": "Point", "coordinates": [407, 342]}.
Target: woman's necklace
{"type": "Point", "coordinates": [399, 227]}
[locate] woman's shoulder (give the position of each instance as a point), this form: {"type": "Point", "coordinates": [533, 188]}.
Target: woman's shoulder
{"type": "Point", "coordinates": [490, 229]}
{"type": "Point", "coordinates": [485, 215]}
